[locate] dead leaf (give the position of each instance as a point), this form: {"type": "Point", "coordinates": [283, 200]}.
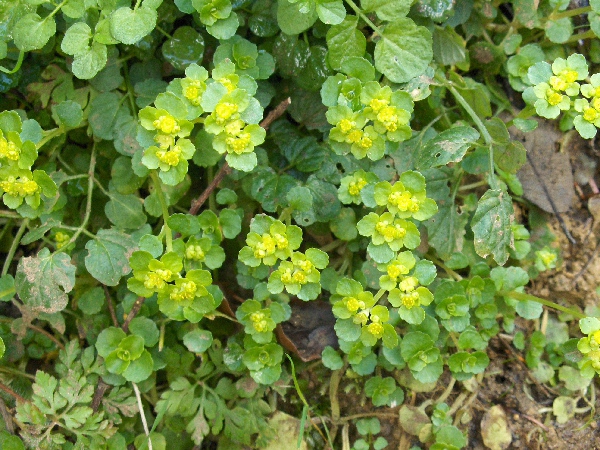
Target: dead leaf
{"type": "Point", "coordinates": [494, 429]}
{"type": "Point", "coordinates": [547, 178]}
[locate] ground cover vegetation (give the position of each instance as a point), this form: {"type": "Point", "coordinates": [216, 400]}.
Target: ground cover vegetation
{"type": "Point", "coordinates": [222, 218]}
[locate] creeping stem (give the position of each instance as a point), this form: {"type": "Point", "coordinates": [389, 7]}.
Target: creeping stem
{"type": "Point", "coordinates": [482, 129]}
{"type": "Point", "coordinates": [543, 301]}
{"type": "Point", "coordinates": [165, 210]}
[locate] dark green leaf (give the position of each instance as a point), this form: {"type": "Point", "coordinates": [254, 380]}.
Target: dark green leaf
{"type": "Point", "coordinates": [448, 146]}
{"type": "Point", "coordinates": [108, 256]}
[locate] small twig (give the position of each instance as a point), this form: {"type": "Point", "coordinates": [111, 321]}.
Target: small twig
{"type": "Point", "coordinates": [586, 265]}
{"type": "Point", "coordinates": [7, 417]}
{"type": "Point", "coordinates": [98, 394]}
{"type": "Point", "coordinates": [540, 386]}
{"type": "Point", "coordinates": [276, 113]}
{"type": "Point", "coordinates": [12, 393]}
{"type": "Point", "coordinates": [134, 310]}
{"type": "Point", "coordinates": [197, 204]}
{"type": "Point", "coordinates": [48, 335]}
{"type": "Point", "coordinates": [111, 308]}
{"type": "Point", "coordinates": [551, 201]}
{"type": "Point", "coordinates": [532, 420]}
{"type": "Point", "coordinates": [225, 169]}
{"type": "Point", "coordinates": [142, 415]}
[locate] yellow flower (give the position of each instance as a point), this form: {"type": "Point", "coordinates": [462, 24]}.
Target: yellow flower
{"type": "Point", "coordinates": [167, 124]}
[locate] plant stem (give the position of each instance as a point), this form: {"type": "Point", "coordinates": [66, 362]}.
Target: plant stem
{"type": "Point", "coordinates": [580, 36]}
{"type": "Point", "coordinates": [379, 294]}
{"type": "Point", "coordinates": [362, 15]}
{"type": "Point", "coordinates": [17, 64]}
{"type": "Point", "coordinates": [225, 169]}
{"type": "Point", "coordinates": [51, 135]}
{"type": "Point", "coordinates": [142, 415]}
{"type": "Point", "coordinates": [165, 209]}
{"type": "Point", "coordinates": [88, 206]}
{"type": "Point", "coordinates": [543, 301]}
{"type": "Point", "coordinates": [12, 393]}
{"type": "Point", "coordinates": [482, 129]}
{"type": "Point", "coordinates": [570, 13]}
{"type": "Point", "coordinates": [14, 246]}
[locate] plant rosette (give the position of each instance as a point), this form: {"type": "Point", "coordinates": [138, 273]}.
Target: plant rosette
{"type": "Point", "coordinates": [151, 275]}
{"type": "Point", "coordinates": [360, 317]}
{"type": "Point", "coordinates": [263, 361]}
{"type": "Point", "coordinates": [300, 276]}
{"type": "Point", "coordinates": [124, 355]}
{"type": "Point", "coordinates": [260, 322]}
{"type": "Point", "coordinates": [351, 186]}
{"type": "Point", "coordinates": [188, 299]}
{"type": "Point", "coordinates": [268, 241]}
{"type": "Point", "coordinates": [589, 346]}
{"type": "Point", "coordinates": [406, 198]}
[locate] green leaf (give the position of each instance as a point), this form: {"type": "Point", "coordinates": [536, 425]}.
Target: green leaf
{"type": "Point", "coordinates": [146, 329]}
{"type": "Point", "coordinates": [32, 32]}
{"type": "Point", "coordinates": [184, 48]}
{"type": "Point", "coordinates": [91, 301]}
{"type": "Point", "coordinates": [198, 341]}
{"type": "Point", "coordinates": [140, 368]}
{"type": "Point", "coordinates": [231, 222]}
{"type": "Point", "coordinates": [89, 62]}
{"type": "Point", "coordinates": [387, 9]}
{"type": "Point", "coordinates": [7, 288]}
{"type": "Point", "coordinates": [491, 225]}
{"type": "Point", "coordinates": [448, 146]}
{"type": "Point", "coordinates": [344, 41]}
{"type": "Point", "coordinates": [344, 226]}
{"type": "Point", "coordinates": [404, 51]}
{"type": "Point", "coordinates": [2, 351]}
{"type": "Point", "coordinates": [331, 12]}
{"type": "Point", "coordinates": [125, 211]}
{"type": "Point", "coordinates": [446, 228]}
{"type": "Point", "coordinates": [511, 157]}
{"type": "Point", "coordinates": [108, 256]}
{"type": "Point", "coordinates": [291, 21]}
{"type": "Point", "coordinates": [449, 48]}
{"type": "Point", "coordinates": [103, 112]}
{"type": "Point", "coordinates": [559, 31]}
{"type": "Point", "coordinates": [43, 281]}
{"type": "Point", "coordinates": [331, 359]}
{"type": "Point", "coordinates": [129, 26]}
{"type": "Point", "coordinates": [69, 113]}
{"type": "Point", "coordinates": [76, 39]}
{"type": "Point", "coordinates": [316, 70]}
{"type": "Point", "coordinates": [300, 198]}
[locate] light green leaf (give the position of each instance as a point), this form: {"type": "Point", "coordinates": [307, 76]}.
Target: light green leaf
{"type": "Point", "coordinates": [404, 51]}
{"type": "Point", "coordinates": [129, 26]}
{"type": "Point", "coordinates": [331, 12]}
{"type": "Point", "coordinates": [43, 281]}
{"type": "Point", "coordinates": [7, 288]}
{"type": "Point", "coordinates": [492, 225]}
{"type": "Point", "coordinates": [387, 9]}
{"type": "Point", "coordinates": [76, 39]}
{"type": "Point", "coordinates": [108, 256]}
{"type": "Point", "coordinates": [198, 341]}
{"type": "Point", "coordinates": [291, 21]}
{"type": "Point", "coordinates": [90, 61]}
{"type": "Point", "coordinates": [343, 41]}
{"type": "Point", "coordinates": [32, 32]}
